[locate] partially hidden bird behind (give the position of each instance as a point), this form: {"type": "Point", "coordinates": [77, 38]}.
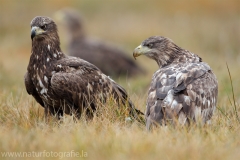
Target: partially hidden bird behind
{"type": "Point", "coordinates": [183, 89]}
{"type": "Point", "coordinates": [64, 84]}
{"type": "Point", "coordinates": [108, 57]}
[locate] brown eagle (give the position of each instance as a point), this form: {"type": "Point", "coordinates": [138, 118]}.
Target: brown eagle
{"type": "Point", "coordinates": [183, 89]}
{"type": "Point", "coordinates": [65, 84]}
{"type": "Point", "coordinates": [110, 59]}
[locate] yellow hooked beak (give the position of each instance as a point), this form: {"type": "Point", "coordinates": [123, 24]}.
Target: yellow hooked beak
{"type": "Point", "coordinates": [140, 50]}
{"type": "Point", "coordinates": [36, 31]}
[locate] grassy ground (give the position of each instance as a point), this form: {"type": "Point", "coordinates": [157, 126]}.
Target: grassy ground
{"type": "Point", "coordinates": [210, 29]}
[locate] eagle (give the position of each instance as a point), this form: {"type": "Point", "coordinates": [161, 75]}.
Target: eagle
{"type": "Point", "coordinates": [183, 90]}
{"type": "Point", "coordinates": [64, 84]}
{"type": "Point", "coordinates": [111, 59]}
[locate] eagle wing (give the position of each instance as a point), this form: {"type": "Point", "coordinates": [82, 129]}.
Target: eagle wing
{"type": "Point", "coordinates": [31, 89]}
{"type": "Point", "coordinates": [83, 84]}
{"type": "Point", "coordinates": [184, 91]}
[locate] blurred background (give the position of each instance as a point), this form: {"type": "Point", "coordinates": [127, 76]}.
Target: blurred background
{"type": "Point", "coordinates": [209, 28]}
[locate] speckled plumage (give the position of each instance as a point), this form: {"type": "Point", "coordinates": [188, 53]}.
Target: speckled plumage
{"type": "Point", "coordinates": [65, 84]}
{"type": "Point", "coordinates": [183, 89]}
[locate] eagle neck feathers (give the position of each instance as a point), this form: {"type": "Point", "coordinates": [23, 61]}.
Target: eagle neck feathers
{"type": "Point", "coordinates": [173, 54]}
{"type": "Point", "coordinates": [46, 50]}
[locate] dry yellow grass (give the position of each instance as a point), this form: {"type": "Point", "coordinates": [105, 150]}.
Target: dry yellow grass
{"type": "Point", "coordinates": [209, 28]}
{"type": "Point", "coordinates": [23, 130]}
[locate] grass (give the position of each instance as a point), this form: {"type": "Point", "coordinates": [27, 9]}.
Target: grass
{"type": "Point", "coordinates": [209, 28]}
{"type": "Point", "coordinates": [233, 96]}
{"type": "Point", "coordinates": [23, 129]}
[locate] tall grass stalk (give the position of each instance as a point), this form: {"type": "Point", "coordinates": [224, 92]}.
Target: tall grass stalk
{"type": "Point", "coordinates": [233, 95]}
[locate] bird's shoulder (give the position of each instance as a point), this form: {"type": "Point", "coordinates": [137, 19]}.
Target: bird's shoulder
{"type": "Point", "coordinates": [177, 77]}
{"type": "Point", "coordinates": [76, 75]}
{"type": "Point", "coordinates": [73, 63]}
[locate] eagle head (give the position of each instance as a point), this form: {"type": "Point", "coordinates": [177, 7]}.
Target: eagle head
{"type": "Point", "coordinates": [43, 28]}
{"type": "Point", "coordinates": [152, 46]}
{"type": "Point", "coordinates": [158, 48]}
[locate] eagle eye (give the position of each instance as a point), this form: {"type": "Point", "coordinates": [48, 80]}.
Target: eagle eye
{"type": "Point", "coordinates": [149, 45]}
{"type": "Point", "coordinates": [43, 27]}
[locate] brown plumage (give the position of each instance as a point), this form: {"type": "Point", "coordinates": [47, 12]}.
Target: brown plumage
{"type": "Point", "coordinates": [65, 84]}
{"type": "Point", "coordinates": [109, 58]}
{"type": "Point", "coordinates": [183, 89]}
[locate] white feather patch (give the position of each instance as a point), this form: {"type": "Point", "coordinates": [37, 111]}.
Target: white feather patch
{"type": "Point", "coordinates": [174, 104]}
{"type": "Point", "coordinates": [169, 99]}
{"type": "Point", "coordinates": [45, 79]}
{"type": "Point", "coordinates": [49, 47]}
{"type": "Point", "coordinates": [187, 100]}
{"type": "Point", "coordinates": [44, 89]}
{"type": "Point", "coordinates": [152, 94]}
{"type": "Point", "coordinates": [163, 76]}
{"type": "Point", "coordinates": [208, 103]}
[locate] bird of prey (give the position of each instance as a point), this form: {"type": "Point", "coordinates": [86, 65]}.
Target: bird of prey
{"type": "Point", "coordinates": [112, 60]}
{"type": "Point", "coordinates": [65, 84]}
{"type": "Point", "coordinates": [183, 89]}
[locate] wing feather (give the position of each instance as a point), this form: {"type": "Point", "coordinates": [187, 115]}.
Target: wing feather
{"type": "Point", "coordinates": [185, 91]}
{"type": "Point", "coordinates": [81, 82]}
{"type": "Point", "coordinates": [31, 90]}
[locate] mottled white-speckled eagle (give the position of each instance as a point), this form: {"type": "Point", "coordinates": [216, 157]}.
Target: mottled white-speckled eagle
{"type": "Point", "coordinates": [111, 59]}
{"type": "Point", "coordinates": [183, 89]}
{"type": "Point", "coordinates": [65, 84]}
